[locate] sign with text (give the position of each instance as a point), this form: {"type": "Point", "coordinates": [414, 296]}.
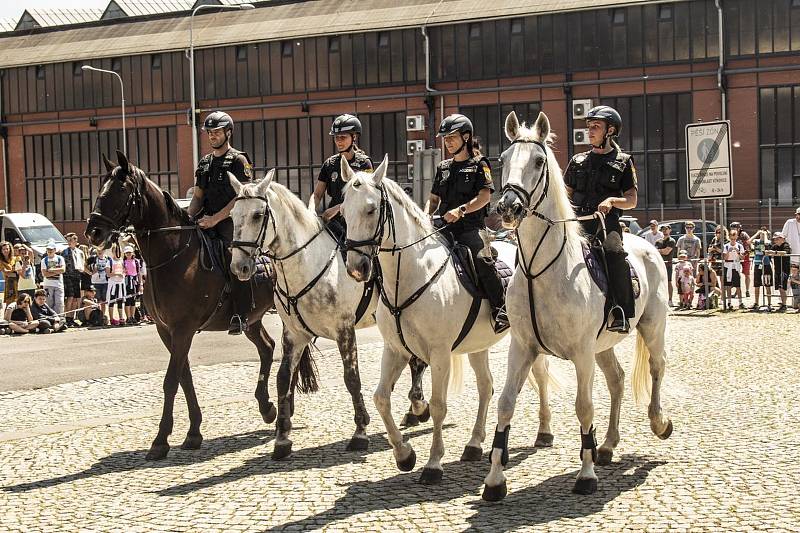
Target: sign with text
{"type": "Point", "coordinates": [708, 160]}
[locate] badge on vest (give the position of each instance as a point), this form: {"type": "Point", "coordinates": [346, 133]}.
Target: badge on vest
{"type": "Point", "coordinates": [580, 158]}
{"type": "Point", "coordinates": [334, 175]}
{"type": "Point", "coordinates": [469, 169]}
{"type": "Point", "coordinates": [445, 174]}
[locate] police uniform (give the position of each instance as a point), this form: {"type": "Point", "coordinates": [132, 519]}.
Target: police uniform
{"type": "Point", "coordinates": [212, 177]}
{"type": "Point", "coordinates": [334, 185]}
{"type": "Point", "coordinates": [593, 178]}
{"type": "Point", "coordinates": [457, 183]}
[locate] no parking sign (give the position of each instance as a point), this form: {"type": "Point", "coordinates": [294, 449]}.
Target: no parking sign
{"type": "Point", "coordinates": [708, 160]}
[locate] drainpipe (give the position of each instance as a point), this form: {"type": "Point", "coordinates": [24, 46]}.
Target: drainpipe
{"type": "Point", "coordinates": [428, 88]}
{"type": "Point", "coordinates": [721, 86]}
{"type": "Point", "coordinates": [4, 138]}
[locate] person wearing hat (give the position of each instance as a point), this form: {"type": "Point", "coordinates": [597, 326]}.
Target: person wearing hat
{"type": "Point", "coordinates": [604, 180]}
{"type": "Point", "coordinates": [791, 232]}
{"type": "Point", "coordinates": [53, 268]}
{"type": "Point", "coordinates": [655, 234]}
{"type": "Point", "coordinates": [213, 198]}
{"type": "Point", "coordinates": [666, 246]}
{"type": "Point", "coordinates": [780, 251]}
{"type": "Point", "coordinates": [461, 192]}
{"type": "Point", "coordinates": [346, 133]}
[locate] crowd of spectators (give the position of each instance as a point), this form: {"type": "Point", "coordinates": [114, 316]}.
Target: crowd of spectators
{"type": "Point", "coordinates": [769, 263]}
{"type": "Point", "coordinates": [79, 287]}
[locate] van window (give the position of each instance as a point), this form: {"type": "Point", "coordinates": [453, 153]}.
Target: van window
{"type": "Point", "coordinates": [41, 234]}
{"type": "Point", "coordinates": [11, 235]}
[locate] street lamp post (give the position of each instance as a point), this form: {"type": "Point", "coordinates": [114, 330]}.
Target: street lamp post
{"type": "Point", "coordinates": [122, 94]}
{"type": "Point", "coordinates": [191, 66]}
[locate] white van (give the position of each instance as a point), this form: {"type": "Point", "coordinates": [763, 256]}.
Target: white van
{"type": "Point", "coordinates": [32, 229]}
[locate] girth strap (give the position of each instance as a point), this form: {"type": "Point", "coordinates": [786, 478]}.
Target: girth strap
{"type": "Point", "coordinates": [468, 322]}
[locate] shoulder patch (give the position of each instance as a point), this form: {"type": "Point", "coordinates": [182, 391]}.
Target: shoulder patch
{"type": "Point", "coordinates": [445, 164]}
{"type": "Point", "coordinates": [580, 158]}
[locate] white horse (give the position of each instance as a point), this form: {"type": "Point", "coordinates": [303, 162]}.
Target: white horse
{"type": "Point", "coordinates": [423, 310]}
{"type": "Point", "coordinates": [552, 292]}
{"type": "Point", "coordinates": [314, 295]}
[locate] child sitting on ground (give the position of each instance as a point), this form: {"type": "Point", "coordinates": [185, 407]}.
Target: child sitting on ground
{"type": "Point", "coordinates": [92, 313]}
{"type": "Point", "coordinates": [686, 286]}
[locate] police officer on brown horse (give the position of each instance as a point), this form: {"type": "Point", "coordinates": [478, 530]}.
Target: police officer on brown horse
{"type": "Point", "coordinates": [213, 198]}
{"type": "Point", "coordinates": [604, 180]}
{"type": "Point", "coordinates": [461, 192]}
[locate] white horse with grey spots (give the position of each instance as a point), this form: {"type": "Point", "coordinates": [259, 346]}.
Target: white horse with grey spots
{"type": "Point", "coordinates": [552, 292]}
{"type": "Point", "coordinates": [423, 309]}
{"type": "Point", "coordinates": [314, 296]}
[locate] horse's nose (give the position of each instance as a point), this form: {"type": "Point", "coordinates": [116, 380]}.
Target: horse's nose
{"type": "Point", "coordinates": [510, 205]}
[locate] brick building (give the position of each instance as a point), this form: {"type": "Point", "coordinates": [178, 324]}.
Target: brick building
{"type": "Point", "coordinates": [285, 68]}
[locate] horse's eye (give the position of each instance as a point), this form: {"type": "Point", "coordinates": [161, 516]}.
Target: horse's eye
{"type": "Point", "coordinates": [371, 211]}
{"type": "Point", "coordinates": [258, 215]}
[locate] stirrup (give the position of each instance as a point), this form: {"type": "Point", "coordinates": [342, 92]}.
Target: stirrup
{"type": "Point", "coordinates": [237, 325]}
{"type": "Point", "coordinates": [618, 325]}
{"type": "Point", "coordinates": [500, 320]}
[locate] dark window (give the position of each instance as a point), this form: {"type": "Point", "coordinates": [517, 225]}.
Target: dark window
{"type": "Point", "coordinates": [517, 26]}
{"type": "Point", "coordinates": [779, 138]}
{"type": "Point", "coordinates": [664, 12]}
{"type": "Point", "coordinates": [333, 44]}
{"type": "Point", "coordinates": [475, 31]}
{"type": "Point", "coordinates": [287, 48]}
{"type": "Point", "coordinates": [241, 53]}
{"type": "Point", "coordinates": [619, 16]}
{"type": "Point", "coordinates": [383, 39]}
{"type": "Point", "coordinates": [40, 72]}
{"type": "Point", "coordinates": [155, 61]}
{"type": "Point", "coordinates": [116, 65]}
{"type": "Point", "coordinates": [795, 3]}
{"type": "Point", "coordinates": [76, 68]}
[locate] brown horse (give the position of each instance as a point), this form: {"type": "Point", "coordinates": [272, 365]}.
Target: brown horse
{"type": "Point", "coordinates": [181, 295]}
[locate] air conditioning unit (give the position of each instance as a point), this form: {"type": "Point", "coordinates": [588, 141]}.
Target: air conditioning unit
{"type": "Point", "coordinates": [413, 147]}
{"type": "Point", "coordinates": [580, 108]}
{"type": "Point", "coordinates": [415, 123]}
{"type": "Point", "coordinates": [580, 136]}
{"type": "Point", "coordinates": [411, 172]}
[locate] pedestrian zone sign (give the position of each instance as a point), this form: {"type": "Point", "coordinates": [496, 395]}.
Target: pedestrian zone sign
{"type": "Point", "coordinates": [708, 160]}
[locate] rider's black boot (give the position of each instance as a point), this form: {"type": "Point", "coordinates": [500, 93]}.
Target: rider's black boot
{"type": "Point", "coordinates": [500, 320]}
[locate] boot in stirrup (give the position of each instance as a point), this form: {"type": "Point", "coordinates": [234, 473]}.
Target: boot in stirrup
{"type": "Point", "coordinates": [500, 320]}
{"type": "Point", "coordinates": [619, 323]}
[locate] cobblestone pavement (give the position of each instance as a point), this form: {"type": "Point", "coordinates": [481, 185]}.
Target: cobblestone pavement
{"type": "Point", "coordinates": [72, 455]}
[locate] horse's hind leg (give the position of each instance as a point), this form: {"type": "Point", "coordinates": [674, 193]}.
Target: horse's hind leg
{"type": "Point", "coordinates": [544, 436]}
{"type": "Point", "coordinates": [266, 347]}
{"type": "Point", "coordinates": [392, 365]}
{"type": "Point", "coordinates": [193, 438]}
{"type": "Point", "coordinates": [179, 351]}
{"type": "Point", "coordinates": [519, 366]}
{"type": "Point", "coordinates": [352, 380]}
{"type": "Point", "coordinates": [293, 350]}
{"type": "Point", "coordinates": [615, 379]}
{"type": "Point", "coordinates": [483, 375]}
{"type": "Point", "coordinates": [652, 333]}
{"type": "Point", "coordinates": [418, 411]}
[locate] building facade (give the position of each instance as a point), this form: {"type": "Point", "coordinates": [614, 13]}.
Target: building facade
{"type": "Point", "coordinates": [284, 69]}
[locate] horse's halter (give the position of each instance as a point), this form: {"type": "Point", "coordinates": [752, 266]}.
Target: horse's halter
{"type": "Point", "coordinates": [121, 218]}
{"type": "Point", "coordinates": [253, 248]}
{"type": "Point", "coordinates": [527, 196]}
{"type": "Point", "coordinates": [385, 214]}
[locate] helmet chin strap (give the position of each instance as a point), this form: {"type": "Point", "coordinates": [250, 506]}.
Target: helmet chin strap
{"type": "Point", "coordinates": [349, 148]}
{"type": "Point", "coordinates": [607, 137]}
{"type": "Point", "coordinates": [462, 147]}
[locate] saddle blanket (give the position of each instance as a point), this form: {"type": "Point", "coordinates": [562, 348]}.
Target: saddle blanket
{"type": "Point", "coordinates": [465, 268]}
{"type": "Point", "coordinates": [595, 265]}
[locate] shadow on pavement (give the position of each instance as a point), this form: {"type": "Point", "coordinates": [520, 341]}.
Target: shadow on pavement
{"type": "Point", "coordinates": [325, 456]}
{"type": "Point", "coordinates": [134, 459]}
{"type": "Point", "coordinates": [402, 490]}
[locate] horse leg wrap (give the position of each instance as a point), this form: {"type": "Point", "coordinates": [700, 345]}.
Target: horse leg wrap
{"type": "Point", "coordinates": [588, 442]}
{"type": "Point", "coordinates": [501, 441]}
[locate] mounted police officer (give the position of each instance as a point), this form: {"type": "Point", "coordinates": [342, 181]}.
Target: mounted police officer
{"type": "Point", "coordinates": [461, 192]}
{"type": "Point", "coordinates": [213, 195]}
{"type": "Point", "coordinates": [604, 179]}
{"type": "Point", "coordinates": [346, 132]}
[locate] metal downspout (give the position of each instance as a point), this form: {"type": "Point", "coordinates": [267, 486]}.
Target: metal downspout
{"type": "Point", "coordinates": [723, 96]}
{"type": "Point", "coordinates": [4, 138]}
{"type": "Point", "coordinates": [428, 88]}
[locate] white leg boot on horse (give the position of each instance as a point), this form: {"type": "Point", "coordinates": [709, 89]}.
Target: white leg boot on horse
{"type": "Point", "coordinates": [584, 408]}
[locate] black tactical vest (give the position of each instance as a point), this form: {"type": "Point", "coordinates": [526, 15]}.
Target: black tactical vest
{"type": "Point", "coordinates": [212, 177]}
{"type": "Point", "coordinates": [592, 182]}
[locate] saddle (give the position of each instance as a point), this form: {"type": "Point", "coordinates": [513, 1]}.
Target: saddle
{"type": "Point", "coordinates": [468, 276]}
{"type": "Point", "coordinates": [215, 256]}
{"type": "Point", "coordinates": [594, 262]}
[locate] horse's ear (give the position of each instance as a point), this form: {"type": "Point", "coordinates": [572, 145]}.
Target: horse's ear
{"type": "Point", "coordinates": [345, 170]}
{"type": "Point", "coordinates": [236, 184]}
{"type": "Point", "coordinates": [512, 126]}
{"type": "Point", "coordinates": [265, 182]}
{"type": "Point", "coordinates": [542, 127]}
{"type": "Point", "coordinates": [108, 164]}
{"type": "Point", "coordinates": [122, 159]}
{"type": "Point", "coordinates": [380, 172]}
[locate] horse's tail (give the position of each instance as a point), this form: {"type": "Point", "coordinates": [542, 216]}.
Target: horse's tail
{"type": "Point", "coordinates": [641, 380]}
{"type": "Point", "coordinates": [306, 376]}
{"type": "Point", "coordinates": [456, 385]}
{"type": "Point", "coordinates": [554, 377]}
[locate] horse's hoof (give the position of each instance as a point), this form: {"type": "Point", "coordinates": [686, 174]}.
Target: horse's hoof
{"type": "Point", "coordinates": [270, 415]}
{"type": "Point", "coordinates": [282, 451]}
{"type": "Point", "coordinates": [471, 453]}
{"type": "Point", "coordinates": [431, 476]}
{"type": "Point", "coordinates": [157, 452]}
{"type": "Point", "coordinates": [495, 494]}
{"type": "Point", "coordinates": [604, 457]}
{"type": "Point", "coordinates": [409, 420]}
{"type": "Point", "coordinates": [667, 432]}
{"type": "Point", "coordinates": [543, 440]}
{"type": "Point", "coordinates": [407, 464]}
{"type": "Point", "coordinates": [192, 442]}
{"type": "Point", "coordinates": [426, 414]}
{"type": "Point", "coordinates": [585, 486]}
{"type": "Point", "coordinates": [358, 444]}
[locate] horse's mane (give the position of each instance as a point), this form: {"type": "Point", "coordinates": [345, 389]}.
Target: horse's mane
{"type": "Point", "coordinates": [287, 199]}
{"type": "Point", "coordinates": [173, 209]}
{"type": "Point", "coordinates": [399, 195]}
{"type": "Point", "coordinates": [558, 190]}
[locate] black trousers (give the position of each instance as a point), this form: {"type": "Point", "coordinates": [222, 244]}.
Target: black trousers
{"type": "Point", "coordinates": [487, 274]}
{"type": "Point", "coordinates": [241, 294]}
{"type": "Point", "coordinates": [619, 276]}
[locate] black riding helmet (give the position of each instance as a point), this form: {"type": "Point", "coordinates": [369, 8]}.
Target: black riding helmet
{"type": "Point", "coordinates": [345, 124]}
{"type": "Point", "coordinates": [217, 120]}
{"type": "Point", "coordinates": [607, 114]}
{"type": "Point", "coordinates": [454, 123]}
